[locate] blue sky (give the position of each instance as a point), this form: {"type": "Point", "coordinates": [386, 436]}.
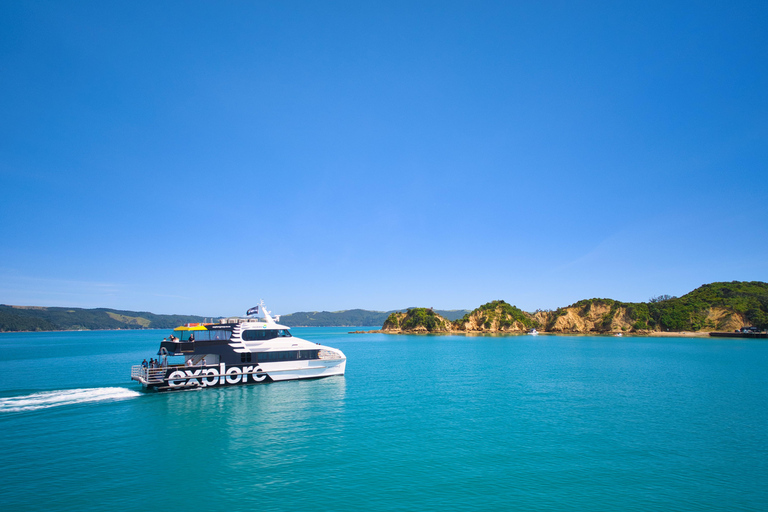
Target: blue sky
{"type": "Point", "coordinates": [195, 157]}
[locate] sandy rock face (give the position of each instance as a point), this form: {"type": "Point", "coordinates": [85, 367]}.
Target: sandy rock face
{"type": "Point", "coordinates": [494, 320]}
{"type": "Point", "coordinates": [621, 321]}
{"type": "Point", "coordinates": [595, 317]}
{"type": "Point", "coordinates": [724, 320]}
{"type": "Point", "coordinates": [603, 317]}
{"type": "Point", "coordinates": [542, 317]}
{"type": "Point", "coordinates": [393, 322]}
{"type": "Point", "coordinates": [569, 322]}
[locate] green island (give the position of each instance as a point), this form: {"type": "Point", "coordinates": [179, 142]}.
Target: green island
{"type": "Point", "coordinates": [712, 307]}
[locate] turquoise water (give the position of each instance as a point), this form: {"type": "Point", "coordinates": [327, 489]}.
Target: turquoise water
{"type": "Point", "coordinates": [418, 423]}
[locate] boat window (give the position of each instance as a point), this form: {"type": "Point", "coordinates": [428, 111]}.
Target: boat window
{"type": "Point", "coordinates": [182, 335]}
{"type": "Point", "coordinates": [245, 357]}
{"type": "Point", "coordinates": [287, 355]}
{"type": "Point", "coordinates": [258, 335]}
{"type": "Point", "coordinates": [284, 333]}
{"type": "Point", "coordinates": [202, 335]}
{"type": "Point", "coordinates": [212, 335]}
{"type": "Point", "coordinates": [220, 334]}
{"type": "Point", "coordinates": [197, 335]}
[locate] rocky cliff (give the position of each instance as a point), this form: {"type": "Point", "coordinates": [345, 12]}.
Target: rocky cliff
{"type": "Point", "coordinates": [596, 316]}
{"type": "Point", "coordinates": [496, 316]}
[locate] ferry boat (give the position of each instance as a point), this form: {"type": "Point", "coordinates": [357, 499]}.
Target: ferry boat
{"type": "Point", "coordinates": [236, 351]}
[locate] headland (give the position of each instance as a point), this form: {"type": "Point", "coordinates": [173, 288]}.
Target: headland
{"type": "Point", "coordinates": [716, 307]}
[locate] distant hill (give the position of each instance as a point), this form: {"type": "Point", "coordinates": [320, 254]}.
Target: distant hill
{"type": "Point", "coordinates": [33, 318]}
{"type": "Point", "coordinates": [348, 318]}
{"type": "Point", "coordinates": [29, 318]}
{"type": "Point", "coordinates": [351, 317]}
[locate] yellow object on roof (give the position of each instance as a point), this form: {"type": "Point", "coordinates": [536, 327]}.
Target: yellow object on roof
{"type": "Point", "coordinates": [193, 327]}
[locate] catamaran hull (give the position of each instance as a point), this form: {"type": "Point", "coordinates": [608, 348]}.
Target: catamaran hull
{"type": "Point", "coordinates": [179, 378]}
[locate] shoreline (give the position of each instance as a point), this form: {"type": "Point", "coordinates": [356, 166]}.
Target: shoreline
{"type": "Point", "coordinates": [172, 328]}
{"type": "Point", "coordinates": [681, 334]}
{"type": "Point", "coordinates": [88, 330]}
{"type": "Point", "coordinates": [653, 334]}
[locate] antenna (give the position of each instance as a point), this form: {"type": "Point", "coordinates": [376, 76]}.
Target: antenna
{"type": "Point", "coordinates": [267, 318]}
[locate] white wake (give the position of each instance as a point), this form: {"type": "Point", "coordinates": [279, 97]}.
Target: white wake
{"type": "Point", "coordinates": [48, 399]}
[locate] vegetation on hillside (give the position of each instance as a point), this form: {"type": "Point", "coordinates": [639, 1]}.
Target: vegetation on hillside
{"type": "Point", "coordinates": [15, 318]}
{"type": "Point", "coordinates": [498, 309]}
{"type": "Point", "coordinates": [687, 313]}
{"type": "Point", "coordinates": [691, 312]}
{"type": "Point", "coordinates": [392, 321]}
{"type": "Point", "coordinates": [352, 317]}
{"type": "Point", "coordinates": [11, 322]}
{"type": "Point", "coordinates": [585, 306]}
{"type": "Point", "coordinates": [417, 319]}
{"type": "Point", "coordinates": [422, 317]}
{"type": "Point", "coordinates": [70, 319]}
{"type": "Point", "coordinates": [349, 318]}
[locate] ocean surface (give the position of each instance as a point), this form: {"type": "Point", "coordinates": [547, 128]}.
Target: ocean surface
{"type": "Point", "coordinates": [418, 423]}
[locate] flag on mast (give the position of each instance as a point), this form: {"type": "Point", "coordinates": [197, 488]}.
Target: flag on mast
{"type": "Point", "coordinates": [254, 310]}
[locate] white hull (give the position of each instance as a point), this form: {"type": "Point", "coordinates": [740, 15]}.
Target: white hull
{"type": "Point", "coordinates": [180, 377]}
{"type": "Point", "coordinates": [310, 370]}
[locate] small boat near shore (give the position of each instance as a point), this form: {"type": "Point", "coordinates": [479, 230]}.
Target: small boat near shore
{"type": "Point", "coordinates": [236, 351]}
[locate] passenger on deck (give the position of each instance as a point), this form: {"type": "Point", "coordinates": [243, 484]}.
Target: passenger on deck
{"type": "Point", "coordinates": [202, 362]}
{"type": "Point", "coordinates": [192, 337]}
{"type": "Point", "coordinates": [144, 363]}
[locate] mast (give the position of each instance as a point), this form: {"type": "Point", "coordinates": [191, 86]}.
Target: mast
{"type": "Point", "coordinates": [267, 318]}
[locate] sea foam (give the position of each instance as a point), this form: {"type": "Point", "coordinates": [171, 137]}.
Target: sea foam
{"type": "Point", "coordinates": [47, 399]}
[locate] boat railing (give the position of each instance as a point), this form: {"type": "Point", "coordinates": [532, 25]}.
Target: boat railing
{"type": "Point", "coordinates": [147, 375]}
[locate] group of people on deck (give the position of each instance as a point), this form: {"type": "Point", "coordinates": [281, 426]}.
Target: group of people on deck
{"type": "Point", "coordinates": [153, 363]}
{"type": "Point", "coordinates": [174, 338]}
